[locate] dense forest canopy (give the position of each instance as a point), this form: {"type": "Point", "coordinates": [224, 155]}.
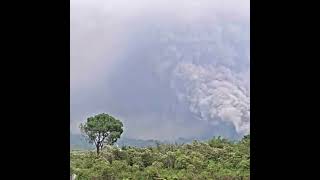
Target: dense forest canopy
{"type": "Point", "coordinates": [217, 158]}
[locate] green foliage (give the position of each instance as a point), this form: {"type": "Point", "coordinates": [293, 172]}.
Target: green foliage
{"type": "Point", "coordinates": [216, 159]}
{"type": "Point", "coordinates": [102, 129]}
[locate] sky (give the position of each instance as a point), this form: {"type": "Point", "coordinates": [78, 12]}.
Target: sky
{"type": "Point", "coordinates": [167, 69]}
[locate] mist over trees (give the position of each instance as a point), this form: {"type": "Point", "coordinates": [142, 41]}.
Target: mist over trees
{"type": "Point", "coordinates": [187, 66]}
{"type": "Point", "coordinates": [167, 69]}
{"type": "Point", "coordinates": [217, 158]}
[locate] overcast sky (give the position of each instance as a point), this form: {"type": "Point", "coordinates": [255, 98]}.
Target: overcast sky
{"type": "Point", "coordinates": [167, 69]}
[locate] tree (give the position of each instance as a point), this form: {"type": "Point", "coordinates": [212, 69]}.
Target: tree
{"type": "Point", "coordinates": [102, 129]}
{"type": "Point", "coordinates": [195, 161]}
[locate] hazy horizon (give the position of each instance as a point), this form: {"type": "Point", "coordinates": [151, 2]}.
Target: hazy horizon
{"type": "Point", "coordinates": [167, 69]}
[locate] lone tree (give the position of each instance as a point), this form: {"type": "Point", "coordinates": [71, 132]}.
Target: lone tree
{"type": "Point", "coordinates": [102, 129]}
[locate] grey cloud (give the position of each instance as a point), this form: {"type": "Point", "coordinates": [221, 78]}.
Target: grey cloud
{"type": "Point", "coordinates": [166, 70]}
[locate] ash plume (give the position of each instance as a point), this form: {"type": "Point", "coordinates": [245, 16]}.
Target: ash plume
{"type": "Point", "coordinates": [167, 69]}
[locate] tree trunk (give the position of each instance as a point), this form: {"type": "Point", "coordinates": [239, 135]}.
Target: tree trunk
{"type": "Point", "coordinates": [98, 149]}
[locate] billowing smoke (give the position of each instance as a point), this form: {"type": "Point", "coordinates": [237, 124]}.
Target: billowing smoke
{"type": "Point", "coordinates": [168, 69]}
{"type": "Point", "coordinates": [208, 68]}
{"type": "Point", "coordinates": [216, 94]}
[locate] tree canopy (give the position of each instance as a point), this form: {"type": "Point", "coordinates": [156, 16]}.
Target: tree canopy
{"type": "Point", "coordinates": [215, 159]}
{"type": "Point", "coordinates": [102, 129]}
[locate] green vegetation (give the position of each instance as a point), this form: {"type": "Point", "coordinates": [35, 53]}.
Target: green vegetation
{"type": "Point", "coordinates": [102, 129]}
{"type": "Point", "coordinates": [217, 158]}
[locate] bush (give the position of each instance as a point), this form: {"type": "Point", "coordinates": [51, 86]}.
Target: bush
{"type": "Point", "coordinates": [217, 159]}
